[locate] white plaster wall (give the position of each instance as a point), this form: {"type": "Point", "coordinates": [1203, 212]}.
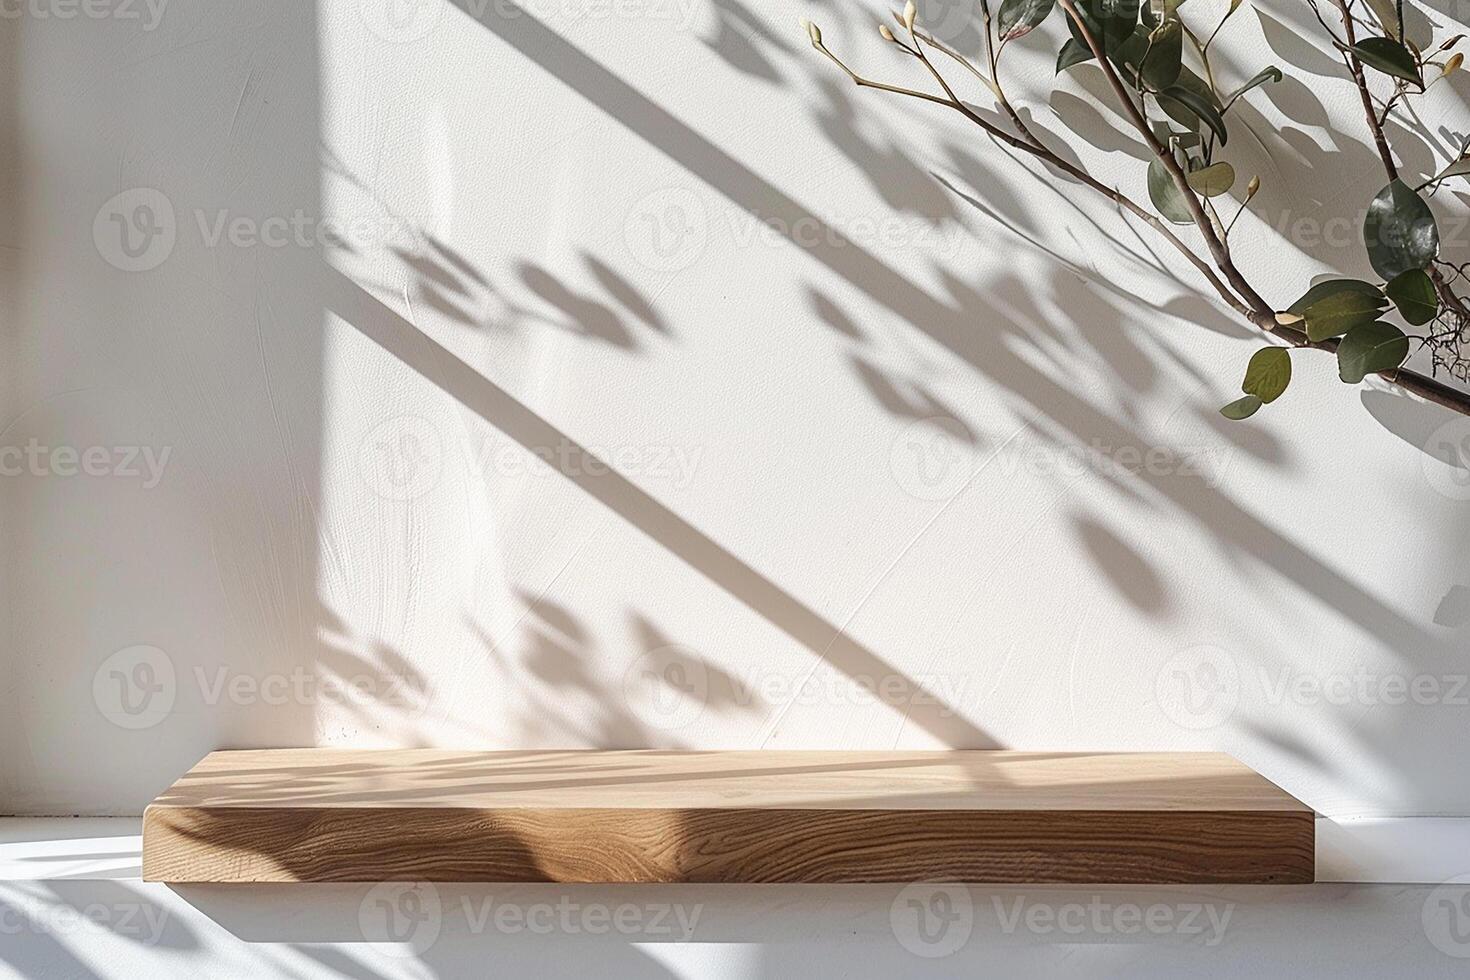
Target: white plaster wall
{"type": "Point", "coordinates": [845, 406]}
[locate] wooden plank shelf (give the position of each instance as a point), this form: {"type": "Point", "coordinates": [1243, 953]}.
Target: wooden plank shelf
{"type": "Point", "coordinates": [657, 816]}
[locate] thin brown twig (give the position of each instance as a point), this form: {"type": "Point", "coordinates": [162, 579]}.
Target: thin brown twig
{"type": "Point", "coordinates": [1041, 152]}
{"type": "Point", "coordinates": [1447, 295]}
{"type": "Point", "coordinates": [1260, 311]}
{"type": "Point", "coordinates": [993, 54]}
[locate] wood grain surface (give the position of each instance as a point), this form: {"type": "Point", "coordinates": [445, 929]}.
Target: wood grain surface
{"type": "Point", "coordinates": [655, 816]}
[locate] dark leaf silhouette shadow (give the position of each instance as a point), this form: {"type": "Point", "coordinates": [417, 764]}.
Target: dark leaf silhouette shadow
{"type": "Point", "coordinates": [1130, 574]}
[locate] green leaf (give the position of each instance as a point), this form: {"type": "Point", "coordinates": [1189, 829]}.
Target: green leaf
{"type": "Point", "coordinates": [1119, 16]}
{"type": "Point", "coordinates": [1327, 288]}
{"type": "Point", "coordinates": [1241, 408]}
{"type": "Point", "coordinates": [1155, 12]}
{"type": "Point", "coordinates": [1267, 374]}
{"type": "Point", "coordinates": [1127, 56]}
{"type": "Point", "coordinates": [1162, 61]}
{"type": "Point", "coordinates": [1179, 112]}
{"type": "Point", "coordinates": [1399, 231]}
{"type": "Point", "coordinates": [1201, 106]}
{"type": "Point", "coordinates": [1214, 180]}
{"type": "Point", "coordinates": [1111, 22]}
{"type": "Point", "coordinates": [1340, 312]}
{"type": "Point", "coordinates": [1413, 293]}
{"type": "Point", "coordinates": [1271, 74]}
{"type": "Point", "coordinates": [1018, 18]}
{"type": "Point", "coordinates": [1074, 52]}
{"type": "Point", "coordinates": [1165, 195]}
{"type": "Point", "coordinates": [1369, 348]}
{"type": "Point", "coordinates": [1389, 57]}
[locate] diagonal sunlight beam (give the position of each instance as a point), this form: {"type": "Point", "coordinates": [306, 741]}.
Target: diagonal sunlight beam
{"type": "Point", "coordinates": [442, 367]}
{"type": "Point", "coordinates": [952, 327]}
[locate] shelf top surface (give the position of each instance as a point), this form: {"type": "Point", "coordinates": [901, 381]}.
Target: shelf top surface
{"type": "Point", "coordinates": [680, 780]}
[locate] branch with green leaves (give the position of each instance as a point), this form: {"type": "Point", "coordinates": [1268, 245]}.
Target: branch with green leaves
{"type": "Point", "coordinates": [1160, 76]}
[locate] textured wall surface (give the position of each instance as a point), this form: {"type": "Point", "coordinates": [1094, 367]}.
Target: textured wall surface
{"type": "Point", "coordinates": [615, 374]}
